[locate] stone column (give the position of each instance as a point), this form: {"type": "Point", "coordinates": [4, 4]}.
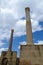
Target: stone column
{"type": "Point", "coordinates": [28, 26]}
{"type": "Point", "coordinates": [11, 39]}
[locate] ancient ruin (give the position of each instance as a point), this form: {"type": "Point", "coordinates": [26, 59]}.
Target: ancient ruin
{"type": "Point", "coordinates": [30, 54]}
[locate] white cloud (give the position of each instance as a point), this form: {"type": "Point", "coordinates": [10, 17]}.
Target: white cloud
{"type": "Point", "coordinates": [19, 6]}
{"type": "Point", "coordinates": [16, 10]}
{"type": "Point", "coordinates": [35, 25]}
{"type": "Point", "coordinates": [11, 10]}
{"type": "Point", "coordinates": [6, 10]}
{"type": "Point", "coordinates": [20, 28]}
{"type": "Point", "coordinates": [39, 43]}
{"type": "Point", "coordinates": [4, 34]}
{"type": "Point", "coordinates": [1, 43]}
{"type": "Point", "coordinates": [23, 43]}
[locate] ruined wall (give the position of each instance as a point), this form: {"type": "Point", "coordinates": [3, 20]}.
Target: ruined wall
{"type": "Point", "coordinates": [10, 56]}
{"type": "Point", "coordinates": [31, 55]}
{"type": "Point", "coordinates": [14, 58]}
{"type": "Point", "coordinates": [0, 60]}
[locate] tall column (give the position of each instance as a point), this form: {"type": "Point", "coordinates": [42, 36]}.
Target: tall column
{"type": "Point", "coordinates": [11, 39]}
{"type": "Point", "coordinates": [28, 26]}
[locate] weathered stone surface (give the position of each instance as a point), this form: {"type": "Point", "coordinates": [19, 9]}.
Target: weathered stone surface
{"type": "Point", "coordinates": [32, 54]}
{"type": "Point", "coordinates": [28, 27]}
{"type": "Point", "coordinates": [10, 56]}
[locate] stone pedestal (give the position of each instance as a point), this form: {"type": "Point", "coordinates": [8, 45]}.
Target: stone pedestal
{"type": "Point", "coordinates": [31, 55]}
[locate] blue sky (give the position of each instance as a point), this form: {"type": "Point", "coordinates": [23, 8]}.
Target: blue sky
{"type": "Point", "coordinates": [12, 15]}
